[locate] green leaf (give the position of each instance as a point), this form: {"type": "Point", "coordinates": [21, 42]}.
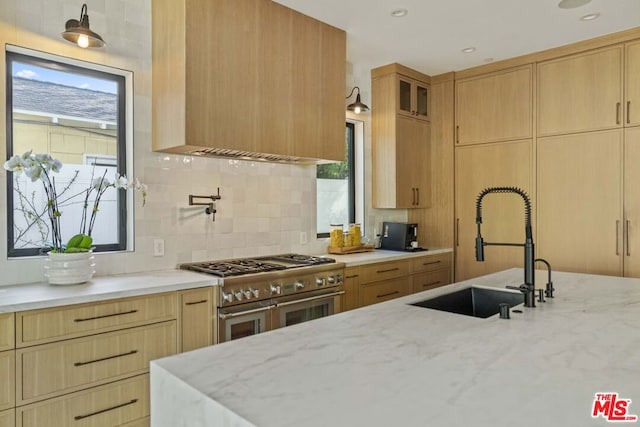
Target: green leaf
{"type": "Point", "coordinates": [75, 250]}
{"type": "Point", "coordinates": [86, 242]}
{"type": "Point", "coordinates": [75, 241]}
{"type": "Point", "coordinates": [80, 241]}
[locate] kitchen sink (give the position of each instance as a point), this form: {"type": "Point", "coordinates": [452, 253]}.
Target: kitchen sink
{"type": "Point", "coordinates": [473, 301]}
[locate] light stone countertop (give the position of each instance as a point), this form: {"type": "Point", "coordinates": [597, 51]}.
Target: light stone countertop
{"type": "Point", "coordinates": [42, 295]}
{"type": "Point", "coordinates": [392, 364]}
{"type": "Point", "coordinates": [378, 255]}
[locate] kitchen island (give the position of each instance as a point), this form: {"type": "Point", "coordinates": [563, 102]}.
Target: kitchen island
{"type": "Point", "coordinates": [393, 364]}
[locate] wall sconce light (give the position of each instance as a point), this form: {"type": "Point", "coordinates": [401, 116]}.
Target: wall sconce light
{"type": "Point", "coordinates": [357, 107]}
{"type": "Point", "coordinates": [78, 32]}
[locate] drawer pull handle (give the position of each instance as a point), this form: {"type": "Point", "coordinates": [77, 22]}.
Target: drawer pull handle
{"type": "Point", "coordinates": [196, 302]}
{"type": "Point", "coordinates": [105, 358]}
{"type": "Point", "coordinates": [387, 294]}
{"type": "Point", "coordinates": [431, 284]}
{"type": "Point", "coordinates": [86, 319]}
{"type": "Point", "coordinates": [389, 270]}
{"type": "Point", "coordinates": [431, 263]}
{"type": "Point", "coordinates": [102, 411]}
{"type": "Point", "coordinates": [351, 277]}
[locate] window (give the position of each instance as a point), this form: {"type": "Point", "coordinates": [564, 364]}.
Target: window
{"type": "Point", "coordinates": [339, 185]}
{"type": "Point", "coordinates": [77, 113]}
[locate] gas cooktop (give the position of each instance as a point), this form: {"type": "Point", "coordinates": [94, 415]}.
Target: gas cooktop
{"type": "Point", "coordinates": [242, 266]}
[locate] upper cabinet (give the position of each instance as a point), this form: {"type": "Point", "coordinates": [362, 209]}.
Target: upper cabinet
{"type": "Point", "coordinates": [413, 97]}
{"type": "Point", "coordinates": [400, 138]}
{"type": "Point", "coordinates": [582, 92]}
{"type": "Point", "coordinates": [632, 84]}
{"type": "Point", "coordinates": [494, 107]}
{"type": "Point", "coordinates": [256, 77]}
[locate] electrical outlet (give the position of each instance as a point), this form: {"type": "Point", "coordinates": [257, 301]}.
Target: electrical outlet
{"type": "Point", "coordinates": [303, 237]}
{"type": "Point", "coordinates": [158, 247]}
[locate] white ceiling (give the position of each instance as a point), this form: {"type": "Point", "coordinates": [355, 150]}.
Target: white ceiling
{"type": "Point", "coordinates": [430, 37]}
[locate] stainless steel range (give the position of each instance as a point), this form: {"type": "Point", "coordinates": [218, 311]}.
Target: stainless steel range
{"type": "Point", "coordinates": [264, 293]}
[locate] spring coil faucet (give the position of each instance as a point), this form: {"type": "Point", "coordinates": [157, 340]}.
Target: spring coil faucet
{"type": "Point", "coordinates": [528, 288]}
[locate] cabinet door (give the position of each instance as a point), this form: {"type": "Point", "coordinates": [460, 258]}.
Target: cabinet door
{"type": "Point", "coordinates": [7, 338]}
{"type": "Point", "coordinates": [7, 376]}
{"type": "Point", "coordinates": [412, 163]}
{"type": "Point", "coordinates": [632, 201]}
{"type": "Point", "coordinates": [479, 167]}
{"type": "Point", "coordinates": [580, 202]}
{"type": "Point", "coordinates": [383, 291]}
{"type": "Point", "coordinates": [351, 287]}
{"type": "Point", "coordinates": [580, 92]}
{"type": "Point", "coordinates": [413, 98]}
{"type": "Point", "coordinates": [8, 418]}
{"type": "Point", "coordinates": [632, 84]}
{"type": "Point", "coordinates": [495, 107]}
{"type": "Point", "coordinates": [196, 312]}
{"type": "Point", "coordinates": [434, 279]}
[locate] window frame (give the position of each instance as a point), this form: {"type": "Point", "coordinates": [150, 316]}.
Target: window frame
{"type": "Point", "coordinates": [351, 163]}
{"type": "Point", "coordinates": [124, 159]}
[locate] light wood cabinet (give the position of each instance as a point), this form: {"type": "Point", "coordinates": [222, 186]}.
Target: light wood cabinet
{"type": "Point", "coordinates": [431, 280]}
{"type": "Point", "coordinates": [580, 202]}
{"type": "Point", "coordinates": [7, 326]}
{"type": "Point", "coordinates": [631, 218]}
{"type": "Point", "coordinates": [400, 140]}
{"type": "Point", "coordinates": [40, 326]}
{"type": "Point", "coordinates": [196, 319]}
{"type": "Point", "coordinates": [413, 97]}
{"type": "Point", "coordinates": [491, 165]}
{"type": "Point", "coordinates": [110, 405]}
{"type": "Point", "coordinates": [8, 418]}
{"type": "Point", "coordinates": [632, 84]}
{"type": "Point", "coordinates": [52, 369]}
{"type": "Point", "coordinates": [351, 286]}
{"type": "Point", "coordinates": [581, 92]}
{"type": "Point", "coordinates": [7, 380]}
{"type": "Point", "coordinates": [495, 107]}
{"type": "Point", "coordinates": [386, 290]}
{"type": "Point", "coordinates": [382, 281]}
{"type": "Point", "coordinates": [256, 77]}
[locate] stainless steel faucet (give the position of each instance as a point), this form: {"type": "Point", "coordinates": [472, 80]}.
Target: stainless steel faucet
{"type": "Point", "coordinates": [528, 288]}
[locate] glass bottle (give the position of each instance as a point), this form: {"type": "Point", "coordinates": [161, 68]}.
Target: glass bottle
{"type": "Point", "coordinates": [336, 238]}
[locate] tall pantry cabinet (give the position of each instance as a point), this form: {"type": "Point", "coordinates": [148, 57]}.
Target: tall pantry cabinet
{"type": "Point", "coordinates": [588, 208]}
{"type": "Point", "coordinates": [493, 148]}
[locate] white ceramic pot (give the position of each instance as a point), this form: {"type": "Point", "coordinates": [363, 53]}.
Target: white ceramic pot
{"type": "Point", "coordinates": [69, 269]}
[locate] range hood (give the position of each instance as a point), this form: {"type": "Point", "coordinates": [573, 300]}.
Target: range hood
{"type": "Point", "coordinates": [226, 153]}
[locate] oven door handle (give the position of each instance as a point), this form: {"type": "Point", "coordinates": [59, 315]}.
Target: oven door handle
{"type": "Point", "coordinates": [225, 316]}
{"type": "Point", "coordinates": [333, 294]}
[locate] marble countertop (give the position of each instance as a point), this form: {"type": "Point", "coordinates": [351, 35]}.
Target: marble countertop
{"type": "Point", "coordinates": [378, 255]}
{"type": "Point", "coordinates": [393, 364]}
{"type": "Point", "coordinates": [42, 295]}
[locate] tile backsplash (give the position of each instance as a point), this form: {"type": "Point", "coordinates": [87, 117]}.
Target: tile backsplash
{"type": "Point", "coordinates": [264, 207]}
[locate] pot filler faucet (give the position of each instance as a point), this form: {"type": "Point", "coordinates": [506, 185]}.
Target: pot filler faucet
{"type": "Point", "coordinates": [528, 288]}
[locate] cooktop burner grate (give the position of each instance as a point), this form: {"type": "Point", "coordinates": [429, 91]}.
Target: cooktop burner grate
{"type": "Point", "coordinates": [242, 266]}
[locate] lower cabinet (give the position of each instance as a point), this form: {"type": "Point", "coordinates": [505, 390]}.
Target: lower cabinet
{"type": "Point", "coordinates": [123, 402]}
{"type": "Point", "coordinates": [7, 384]}
{"type": "Point", "coordinates": [372, 293]}
{"type": "Point", "coordinates": [8, 418]}
{"type": "Point", "coordinates": [377, 282]}
{"type": "Point", "coordinates": [196, 319]}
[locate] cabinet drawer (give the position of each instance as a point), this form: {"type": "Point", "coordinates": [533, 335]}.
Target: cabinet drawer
{"type": "Point", "coordinates": [383, 270]}
{"type": "Point", "coordinates": [426, 281]}
{"type": "Point", "coordinates": [114, 404]}
{"type": "Point", "coordinates": [8, 418]}
{"type": "Point", "coordinates": [196, 312]}
{"type": "Point", "coordinates": [40, 326]}
{"type": "Point", "coordinates": [7, 379]}
{"type": "Point", "coordinates": [7, 340]}
{"type": "Point", "coordinates": [431, 263]}
{"type": "Point", "coordinates": [67, 366]}
{"type": "Point", "coordinates": [384, 291]}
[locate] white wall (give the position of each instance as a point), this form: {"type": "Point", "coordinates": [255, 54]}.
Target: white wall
{"type": "Point", "coordinates": [264, 207]}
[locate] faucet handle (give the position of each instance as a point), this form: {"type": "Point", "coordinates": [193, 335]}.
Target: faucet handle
{"type": "Point", "coordinates": [548, 292]}
{"type": "Point", "coordinates": [522, 288]}
{"type": "Point", "coordinates": [540, 295]}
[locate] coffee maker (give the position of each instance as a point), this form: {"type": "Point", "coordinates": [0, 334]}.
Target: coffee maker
{"type": "Point", "coordinates": [399, 236]}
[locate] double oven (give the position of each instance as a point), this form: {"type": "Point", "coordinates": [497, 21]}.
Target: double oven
{"type": "Point", "coordinates": [261, 294]}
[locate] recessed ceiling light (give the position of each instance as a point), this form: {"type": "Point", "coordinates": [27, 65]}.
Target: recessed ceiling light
{"type": "Point", "coordinates": [572, 4]}
{"type": "Point", "coordinates": [589, 17]}
{"type": "Point", "coordinates": [399, 13]}
{"type": "Point", "coordinates": [469, 49]}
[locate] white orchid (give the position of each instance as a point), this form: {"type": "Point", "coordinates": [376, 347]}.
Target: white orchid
{"type": "Point", "coordinates": [39, 167]}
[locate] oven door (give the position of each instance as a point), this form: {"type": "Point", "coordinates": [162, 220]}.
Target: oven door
{"type": "Point", "coordinates": [313, 305]}
{"type": "Point", "coordinates": [244, 320]}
